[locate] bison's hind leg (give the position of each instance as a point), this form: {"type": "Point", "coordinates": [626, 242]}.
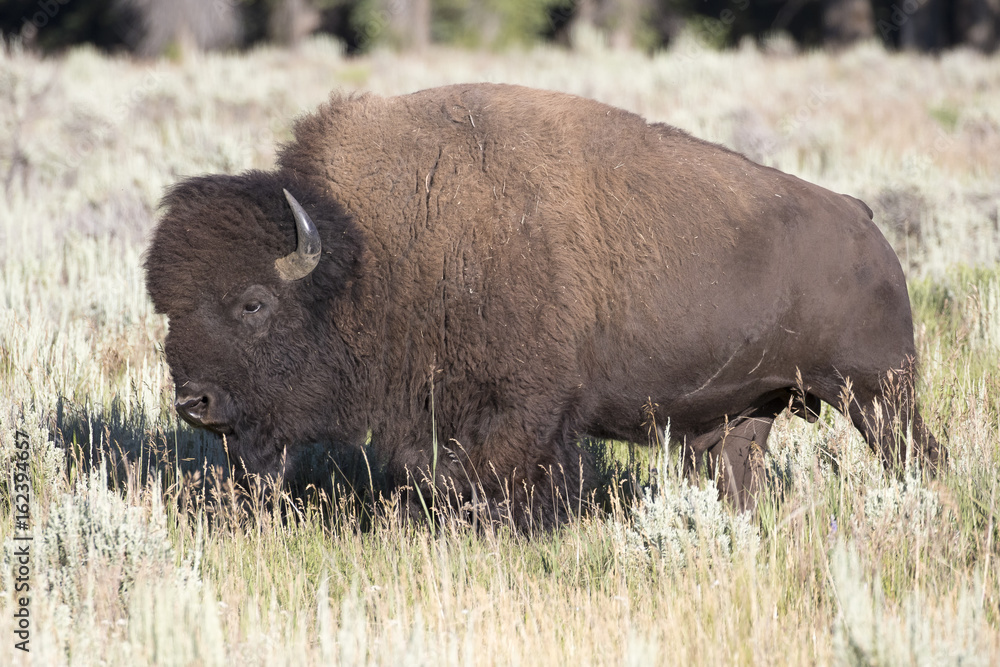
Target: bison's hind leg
{"type": "Point", "coordinates": [735, 452]}
{"type": "Point", "coordinates": [883, 408]}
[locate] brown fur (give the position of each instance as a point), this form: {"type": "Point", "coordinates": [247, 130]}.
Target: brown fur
{"type": "Point", "coordinates": [550, 265]}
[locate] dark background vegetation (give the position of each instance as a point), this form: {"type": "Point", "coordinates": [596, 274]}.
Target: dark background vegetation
{"type": "Point", "coordinates": [169, 27]}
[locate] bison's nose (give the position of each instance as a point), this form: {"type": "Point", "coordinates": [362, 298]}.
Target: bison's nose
{"type": "Point", "coordinates": [197, 404]}
{"type": "Point", "coordinates": [204, 405]}
{"type": "Point", "coordinates": [192, 408]}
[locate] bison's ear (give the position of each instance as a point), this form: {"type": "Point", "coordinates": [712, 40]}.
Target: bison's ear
{"type": "Point", "coordinates": [300, 262]}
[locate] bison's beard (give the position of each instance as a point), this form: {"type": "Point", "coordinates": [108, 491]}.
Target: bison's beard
{"type": "Point", "coordinates": [269, 455]}
{"type": "Point", "coordinates": [252, 451]}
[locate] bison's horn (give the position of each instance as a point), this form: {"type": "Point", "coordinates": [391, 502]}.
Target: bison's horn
{"type": "Point", "coordinates": [300, 263]}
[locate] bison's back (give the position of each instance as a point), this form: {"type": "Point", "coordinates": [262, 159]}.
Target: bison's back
{"type": "Point", "coordinates": [513, 181]}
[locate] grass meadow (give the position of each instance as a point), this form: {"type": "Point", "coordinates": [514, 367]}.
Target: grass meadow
{"type": "Point", "coordinates": [138, 556]}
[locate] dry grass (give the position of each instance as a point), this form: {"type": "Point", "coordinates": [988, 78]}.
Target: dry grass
{"type": "Point", "coordinates": [842, 565]}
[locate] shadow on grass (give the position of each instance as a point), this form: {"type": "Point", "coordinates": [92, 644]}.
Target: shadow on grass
{"type": "Point", "coordinates": [343, 483]}
{"type": "Point", "coordinates": [193, 468]}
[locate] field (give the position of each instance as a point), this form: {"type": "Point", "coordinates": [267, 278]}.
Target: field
{"type": "Point", "coordinates": [138, 556]}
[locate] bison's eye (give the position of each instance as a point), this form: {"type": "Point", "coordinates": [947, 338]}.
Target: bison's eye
{"type": "Point", "coordinates": [253, 306]}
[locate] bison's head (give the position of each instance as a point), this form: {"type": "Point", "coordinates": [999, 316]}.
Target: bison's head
{"type": "Point", "coordinates": [250, 284]}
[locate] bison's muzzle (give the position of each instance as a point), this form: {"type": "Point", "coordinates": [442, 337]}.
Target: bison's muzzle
{"type": "Point", "coordinates": [203, 405]}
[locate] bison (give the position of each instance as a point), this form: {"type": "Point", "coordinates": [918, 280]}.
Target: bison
{"type": "Point", "coordinates": [476, 276]}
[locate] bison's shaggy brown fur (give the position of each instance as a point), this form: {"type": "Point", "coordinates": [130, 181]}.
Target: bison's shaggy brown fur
{"type": "Point", "coordinates": [550, 267]}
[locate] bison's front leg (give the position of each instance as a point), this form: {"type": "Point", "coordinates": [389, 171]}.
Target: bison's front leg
{"type": "Point", "coordinates": [526, 487]}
